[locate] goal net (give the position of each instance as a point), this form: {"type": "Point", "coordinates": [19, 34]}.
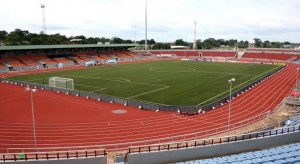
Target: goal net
{"type": "Point", "coordinates": [61, 82]}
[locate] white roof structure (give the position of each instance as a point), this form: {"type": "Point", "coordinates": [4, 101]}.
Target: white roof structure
{"type": "Point", "coordinates": [252, 41]}
{"type": "Point", "coordinates": [178, 47]}
{"type": "Point", "coordinates": [75, 40]}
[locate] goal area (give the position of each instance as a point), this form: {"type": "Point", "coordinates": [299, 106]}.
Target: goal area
{"type": "Point", "coordinates": [61, 82]}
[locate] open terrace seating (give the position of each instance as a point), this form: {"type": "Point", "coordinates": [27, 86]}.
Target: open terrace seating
{"type": "Point", "coordinates": [15, 63]}
{"type": "Point", "coordinates": [105, 57]}
{"type": "Point", "coordinates": [7, 59]}
{"type": "Point", "coordinates": [82, 57]}
{"type": "Point", "coordinates": [219, 53]}
{"type": "Point", "coordinates": [182, 53]}
{"type": "Point", "coordinates": [274, 50]}
{"type": "Point", "coordinates": [2, 65]}
{"type": "Point", "coordinates": [49, 61]}
{"type": "Point", "coordinates": [272, 56]}
{"type": "Point", "coordinates": [122, 54]}
{"type": "Point", "coordinates": [31, 57]}
{"type": "Point", "coordinates": [30, 62]}
{"type": "Point", "coordinates": [126, 54]}
{"type": "Point", "coordinates": [130, 54]}
{"type": "Point", "coordinates": [62, 60]}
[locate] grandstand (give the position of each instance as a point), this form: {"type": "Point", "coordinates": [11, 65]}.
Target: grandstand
{"type": "Point", "coordinates": [272, 54]}
{"type": "Point", "coordinates": [198, 53]}
{"type": "Point", "coordinates": [179, 53]}
{"type": "Point", "coordinates": [48, 56]}
{"type": "Point", "coordinates": [228, 54]}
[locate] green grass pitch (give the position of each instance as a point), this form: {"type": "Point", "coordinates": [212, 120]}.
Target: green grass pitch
{"type": "Point", "coordinates": [164, 82]}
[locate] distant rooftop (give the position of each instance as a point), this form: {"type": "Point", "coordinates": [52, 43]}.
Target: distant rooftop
{"type": "Point", "coordinates": [75, 40]}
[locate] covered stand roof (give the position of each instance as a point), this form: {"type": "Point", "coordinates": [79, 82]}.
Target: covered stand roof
{"type": "Point", "coordinates": [66, 46]}
{"type": "Point", "coordinates": [61, 49]}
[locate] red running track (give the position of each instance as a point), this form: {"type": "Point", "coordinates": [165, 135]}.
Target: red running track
{"type": "Point", "coordinates": [69, 122]}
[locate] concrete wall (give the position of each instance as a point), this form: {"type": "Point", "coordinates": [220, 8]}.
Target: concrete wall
{"type": "Point", "coordinates": [97, 160]}
{"type": "Point", "coordinates": [212, 151]}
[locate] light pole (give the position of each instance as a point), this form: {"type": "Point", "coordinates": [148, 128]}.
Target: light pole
{"type": "Point", "coordinates": [296, 87]}
{"type": "Point", "coordinates": [32, 112]}
{"type": "Point", "coordinates": [43, 19]}
{"type": "Point", "coordinates": [229, 109]}
{"type": "Point", "coordinates": [146, 25]}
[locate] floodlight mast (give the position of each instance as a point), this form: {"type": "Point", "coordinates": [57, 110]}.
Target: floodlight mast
{"type": "Point", "coordinates": [146, 25]}
{"type": "Point", "coordinates": [195, 36]}
{"type": "Point", "coordinates": [134, 28]}
{"type": "Point", "coordinates": [43, 19]}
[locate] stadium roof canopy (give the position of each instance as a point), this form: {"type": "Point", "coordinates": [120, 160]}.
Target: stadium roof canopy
{"type": "Point", "coordinates": [67, 46]}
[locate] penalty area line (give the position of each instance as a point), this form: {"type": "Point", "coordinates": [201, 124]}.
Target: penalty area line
{"type": "Point", "coordinates": [122, 80]}
{"type": "Point", "coordinates": [97, 90]}
{"type": "Point", "coordinates": [165, 87]}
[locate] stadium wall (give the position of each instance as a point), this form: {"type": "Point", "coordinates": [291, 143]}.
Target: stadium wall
{"type": "Point", "coordinates": [169, 156]}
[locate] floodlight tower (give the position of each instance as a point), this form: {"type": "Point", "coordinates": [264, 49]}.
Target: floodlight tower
{"type": "Point", "coordinates": [195, 36]}
{"type": "Point", "coordinates": [146, 25]}
{"type": "Point", "coordinates": [43, 19]}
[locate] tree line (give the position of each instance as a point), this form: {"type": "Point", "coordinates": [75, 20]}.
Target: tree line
{"type": "Point", "coordinates": [24, 37]}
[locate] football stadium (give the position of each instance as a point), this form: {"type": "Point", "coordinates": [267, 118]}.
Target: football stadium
{"type": "Point", "coordinates": [129, 103]}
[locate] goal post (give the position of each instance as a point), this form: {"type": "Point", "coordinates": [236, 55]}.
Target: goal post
{"type": "Point", "coordinates": [61, 82]}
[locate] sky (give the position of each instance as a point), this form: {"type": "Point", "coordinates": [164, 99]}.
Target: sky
{"type": "Point", "coordinates": [168, 20]}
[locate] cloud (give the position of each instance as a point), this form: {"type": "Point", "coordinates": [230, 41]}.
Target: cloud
{"type": "Point", "coordinates": [167, 20]}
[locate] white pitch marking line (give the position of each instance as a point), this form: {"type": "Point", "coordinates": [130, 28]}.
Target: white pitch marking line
{"type": "Point", "coordinates": [91, 87]}
{"type": "Point", "coordinates": [225, 73]}
{"type": "Point", "coordinates": [123, 80]}
{"type": "Point", "coordinates": [148, 92]}
{"type": "Point", "coordinates": [236, 86]}
{"type": "Point", "coordinates": [97, 90]}
{"type": "Point", "coordinates": [128, 81]}
{"type": "Point", "coordinates": [150, 84]}
{"type": "Point", "coordinates": [31, 80]}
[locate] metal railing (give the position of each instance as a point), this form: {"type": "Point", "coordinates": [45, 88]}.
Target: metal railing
{"type": "Point", "coordinates": [51, 155]}
{"type": "Point", "coordinates": [213, 141]}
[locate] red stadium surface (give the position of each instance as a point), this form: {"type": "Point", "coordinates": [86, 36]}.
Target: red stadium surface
{"type": "Point", "coordinates": [69, 121]}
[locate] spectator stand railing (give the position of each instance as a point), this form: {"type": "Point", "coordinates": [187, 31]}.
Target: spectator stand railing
{"type": "Point", "coordinates": [211, 141]}
{"type": "Point", "coordinates": [52, 155]}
